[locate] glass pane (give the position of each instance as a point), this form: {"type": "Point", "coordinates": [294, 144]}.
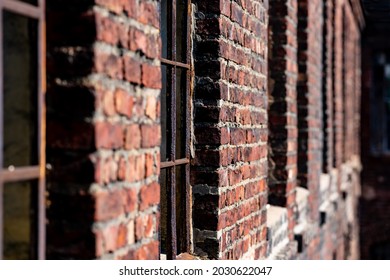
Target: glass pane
{"type": "Point", "coordinates": [20, 114]}
{"type": "Point", "coordinates": [181, 30]}
{"type": "Point", "coordinates": [33, 2]}
{"type": "Point", "coordinates": [20, 220]}
{"type": "Point", "coordinates": [181, 112]}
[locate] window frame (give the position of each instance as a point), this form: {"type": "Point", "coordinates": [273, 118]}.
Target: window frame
{"type": "Point", "coordinates": [171, 62]}
{"type": "Point", "coordinates": [37, 172]}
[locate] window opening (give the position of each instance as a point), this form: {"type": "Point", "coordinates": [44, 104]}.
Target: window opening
{"type": "Point", "coordinates": [175, 125]}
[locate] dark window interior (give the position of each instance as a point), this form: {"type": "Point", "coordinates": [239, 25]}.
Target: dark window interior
{"type": "Point", "coordinates": [20, 114]}
{"type": "Point", "coordinates": [174, 178]}
{"type": "Point", "coordinates": [20, 133]}
{"type": "Point", "coordinates": [380, 105]}
{"type": "Point", "coordinates": [20, 220]}
{"type": "Point", "coordinates": [22, 188]}
{"type": "Point", "coordinates": [380, 251]}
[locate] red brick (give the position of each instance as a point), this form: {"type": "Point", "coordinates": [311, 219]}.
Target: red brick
{"type": "Point", "coordinates": [108, 205]}
{"type": "Point", "coordinates": [151, 76]}
{"type": "Point", "coordinates": [131, 7]}
{"type": "Point", "coordinates": [108, 135]}
{"type": "Point", "coordinates": [108, 103]}
{"type": "Point", "coordinates": [121, 240]}
{"type": "Point", "coordinates": [133, 137]}
{"type": "Point", "coordinates": [150, 164]}
{"type": "Point", "coordinates": [107, 30]}
{"type": "Point", "coordinates": [109, 64]}
{"type": "Point", "coordinates": [148, 251]}
{"type": "Point", "coordinates": [135, 168]}
{"type": "Point", "coordinates": [130, 200]}
{"type": "Point", "coordinates": [151, 108]}
{"type": "Point", "coordinates": [124, 102]}
{"type": "Point", "coordinates": [149, 195]}
{"type": "Point", "coordinates": [144, 227]}
{"type": "Point", "coordinates": [148, 13]}
{"type": "Point", "coordinates": [151, 136]}
{"type": "Point", "coordinates": [132, 70]}
{"type": "Point", "coordinates": [121, 168]}
{"type": "Point", "coordinates": [110, 235]}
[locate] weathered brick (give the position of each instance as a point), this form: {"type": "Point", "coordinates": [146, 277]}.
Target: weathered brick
{"type": "Point", "coordinates": [144, 227]}
{"type": "Point", "coordinates": [254, 119]}
{"type": "Point", "coordinates": [108, 135]}
{"type": "Point", "coordinates": [149, 196]}
{"type": "Point", "coordinates": [116, 152]}
{"type": "Point", "coordinates": [133, 137]}
{"type": "Point", "coordinates": [108, 205]}
{"type": "Point", "coordinates": [124, 103]}
{"type": "Point", "coordinates": [227, 131]}
{"type": "Point", "coordinates": [135, 168]}
{"type": "Point", "coordinates": [132, 70]}
{"type": "Point", "coordinates": [151, 136]}
{"type": "Point", "coordinates": [151, 76]}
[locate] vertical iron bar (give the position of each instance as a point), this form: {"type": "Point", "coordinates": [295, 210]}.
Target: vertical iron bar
{"type": "Point", "coordinates": [171, 184]}
{"type": "Point", "coordinates": [1, 133]}
{"type": "Point", "coordinates": [168, 244]}
{"type": "Point", "coordinates": [187, 101]}
{"type": "Point", "coordinates": [173, 134]}
{"type": "Point", "coordinates": [42, 131]}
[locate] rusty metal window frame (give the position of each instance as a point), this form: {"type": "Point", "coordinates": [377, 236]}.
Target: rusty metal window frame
{"type": "Point", "coordinates": [15, 174]}
{"type": "Point", "coordinates": [172, 64]}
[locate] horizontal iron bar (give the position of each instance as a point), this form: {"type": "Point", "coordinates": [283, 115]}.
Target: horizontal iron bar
{"type": "Point", "coordinates": [177, 162]}
{"type": "Point", "coordinates": [175, 63]}
{"type": "Point", "coordinates": [21, 8]}
{"type": "Point", "coordinates": [19, 174]}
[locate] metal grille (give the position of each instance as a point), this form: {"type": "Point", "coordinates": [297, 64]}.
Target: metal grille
{"type": "Point", "coordinates": [9, 175]}
{"type": "Point", "coordinates": [175, 119]}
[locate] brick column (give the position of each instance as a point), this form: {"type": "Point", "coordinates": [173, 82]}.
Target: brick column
{"type": "Point", "coordinates": [103, 129]}
{"type": "Point", "coordinates": [338, 100]}
{"type": "Point", "coordinates": [328, 85]}
{"type": "Point", "coordinates": [310, 99]}
{"type": "Point", "coordinates": [283, 106]}
{"type": "Point", "coordinates": [230, 166]}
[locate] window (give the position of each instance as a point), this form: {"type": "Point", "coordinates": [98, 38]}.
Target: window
{"type": "Point", "coordinates": [380, 105]}
{"type": "Point", "coordinates": [22, 185]}
{"type": "Point", "coordinates": [175, 126]}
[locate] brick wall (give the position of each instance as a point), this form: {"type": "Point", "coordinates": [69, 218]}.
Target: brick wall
{"type": "Point", "coordinates": [230, 190]}
{"type": "Point", "coordinates": [283, 106]}
{"type": "Point", "coordinates": [310, 26]}
{"type": "Point", "coordinates": [328, 85]}
{"type": "Point", "coordinates": [350, 86]}
{"type": "Point", "coordinates": [338, 76]}
{"type": "Point", "coordinates": [103, 140]}
{"type": "Point", "coordinates": [103, 98]}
